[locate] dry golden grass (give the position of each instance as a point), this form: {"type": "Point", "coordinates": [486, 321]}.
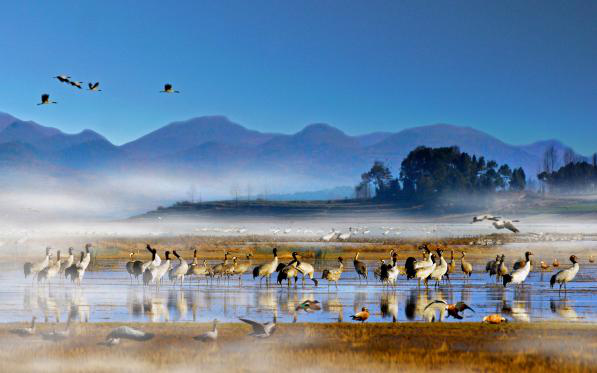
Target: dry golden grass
{"type": "Point", "coordinates": [537, 347]}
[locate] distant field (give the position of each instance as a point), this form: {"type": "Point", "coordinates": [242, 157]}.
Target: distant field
{"type": "Point", "coordinates": [537, 347]}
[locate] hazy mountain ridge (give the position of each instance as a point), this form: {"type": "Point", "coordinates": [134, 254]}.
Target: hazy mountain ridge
{"type": "Point", "coordinates": [215, 145]}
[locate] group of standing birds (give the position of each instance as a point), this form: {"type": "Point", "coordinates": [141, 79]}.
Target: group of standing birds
{"type": "Point", "coordinates": [46, 269]}
{"type": "Point", "coordinates": [91, 86]}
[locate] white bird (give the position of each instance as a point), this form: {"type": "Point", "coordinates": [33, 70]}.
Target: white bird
{"type": "Point", "coordinates": [329, 236]}
{"type": "Point", "coordinates": [506, 224]}
{"type": "Point", "coordinates": [162, 269]}
{"type": "Point", "coordinates": [440, 270]}
{"type": "Point", "coordinates": [345, 236]}
{"type": "Point", "coordinates": [266, 269]}
{"type": "Point", "coordinates": [45, 100]}
{"type": "Point", "coordinates": [442, 306]}
{"type": "Point", "coordinates": [261, 330]}
{"type": "Point", "coordinates": [180, 270]}
{"type": "Point", "coordinates": [51, 270]}
{"type": "Point", "coordinates": [35, 268]}
{"type": "Point", "coordinates": [25, 332]}
{"type": "Point", "coordinates": [126, 332]}
{"type": "Point", "coordinates": [566, 275]}
{"type": "Point", "coordinates": [210, 336]}
{"type": "Point", "coordinates": [168, 89]}
{"type": "Point", "coordinates": [518, 276]}
{"type": "Point", "coordinates": [69, 260]}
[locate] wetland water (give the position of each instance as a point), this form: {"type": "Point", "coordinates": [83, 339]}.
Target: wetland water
{"type": "Point", "coordinates": [107, 294]}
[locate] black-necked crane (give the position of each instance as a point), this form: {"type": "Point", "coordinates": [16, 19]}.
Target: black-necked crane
{"type": "Point", "coordinates": [63, 78]}
{"type": "Point", "coordinates": [266, 269]}
{"type": "Point", "coordinates": [50, 271]}
{"type": "Point", "coordinates": [440, 269]}
{"type": "Point", "coordinates": [34, 268]}
{"type": "Point", "coordinates": [76, 84]}
{"type": "Point", "coordinates": [150, 271]}
{"type": "Point", "coordinates": [566, 275]}
{"type": "Point", "coordinates": [261, 330]}
{"type": "Point", "coordinates": [45, 100]}
{"type": "Point", "coordinates": [69, 261]}
{"type": "Point", "coordinates": [162, 269]}
{"type": "Point", "coordinates": [290, 271]}
{"type": "Point", "coordinates": [154, 259]}
{"type": "Point", "coordinates": [25, 332]}
{"type": "Point", "coordinates": [361, 316]}
{"type": "Point", "coordinates": [359, 267]}
{"type": "Point", "coordinates": [94, 87]}
{"type": "Point", "coordinates": [518, 276]}
{"type": "Point", "coordinates": [307, 270]}
{"type": "Point", "coordinates": [466, 267]}
{"type": "Point", "coordinates": [377, 271]}
{"type": "Point", "coordinates": [210, 336]}
{"type": "Point", "coordinates": [180, 270]}
{"type": "Point", "coordinates": [333, 275]}
{"type": "Point", "coordinates": [494, 319]}
{"type": "Point", "coordinates": [443, 307]}
{"type": "Point", "coordinates": [168, 89]}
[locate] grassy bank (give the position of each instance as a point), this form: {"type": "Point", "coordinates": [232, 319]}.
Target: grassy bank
{"type": "Point", "coordinates": [538, 347]}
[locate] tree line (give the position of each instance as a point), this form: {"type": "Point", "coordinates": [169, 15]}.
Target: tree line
{"type": "Point", "coordinates": [427, 174]}
{"type": "Point", "coordinates": [576, 175]}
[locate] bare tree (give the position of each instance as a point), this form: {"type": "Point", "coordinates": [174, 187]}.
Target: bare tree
{"type": "Point", "coordinates": [569, 156]}
{"type": "Point", "coordinates": [192, 192]}
{"type": "Point", "coordinates": [550, 158]}
{"type": "Point", "coordinates": [234, 190]}
{"type": "Point", "coordinates": [595, 160]}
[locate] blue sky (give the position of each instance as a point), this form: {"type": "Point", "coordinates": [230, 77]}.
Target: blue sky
{"type": "Point", "coordinates": [520, 70]}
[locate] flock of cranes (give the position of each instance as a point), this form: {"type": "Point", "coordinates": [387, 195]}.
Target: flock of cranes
{"type": "Point", "coordinates": [432, 266]}
{"type": "Point", "coordinates": [92, 86]}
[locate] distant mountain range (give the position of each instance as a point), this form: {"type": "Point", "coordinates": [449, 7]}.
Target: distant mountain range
{"type": "Point", "coordinates": [214, 146]}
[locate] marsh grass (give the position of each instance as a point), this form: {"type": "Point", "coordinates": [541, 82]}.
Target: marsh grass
{"type": "Point", "coordinates": [538, 347]}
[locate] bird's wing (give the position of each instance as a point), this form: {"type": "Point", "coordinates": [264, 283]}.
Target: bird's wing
{"type": "Point", "coordinates": [257, 327]}
{"type": "Point", "coordinates": [45, 97]}
{"type": "Point", "coordinates": [461, 306]}
{"type": "Point", "coordinates": [96, 85]}
{"type": "Point", "coordinates": [90, 85]}
{"type": "Point", "coordinates": [167, 87]}
{"type": "Point", "coordinates": [436, 304]}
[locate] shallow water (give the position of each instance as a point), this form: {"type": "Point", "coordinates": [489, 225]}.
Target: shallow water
{"type": "Point", "coordinates": [108, 294]}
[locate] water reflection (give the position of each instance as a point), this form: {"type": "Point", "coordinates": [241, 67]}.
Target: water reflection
{"type": "Point", "coordinates": [109, 296]}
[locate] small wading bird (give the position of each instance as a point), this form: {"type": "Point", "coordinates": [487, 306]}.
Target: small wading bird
{"type": "Point", "coordinates": [518, 276]}
{"type": "Point", "coordinates": [261, 330]}
{"type": "Point", "coordinates": [168, 89]}
{"type": "Point", "coordinates": [443, 307]}
{"type": "Point", "coordinates": [45, 100]}
{"type": "Point", "coordinates": [94, 87]}
{"type": "Point", "coordinates": [494, 319]}
{"type": "Point", "coordinates": [25, 332]}
{"type": "Point", "coordinates": [361, 316]}
{"type": "Point", "coordinates": [210, 336]}
{"type": "Point", "coordinates": [566, 275]}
